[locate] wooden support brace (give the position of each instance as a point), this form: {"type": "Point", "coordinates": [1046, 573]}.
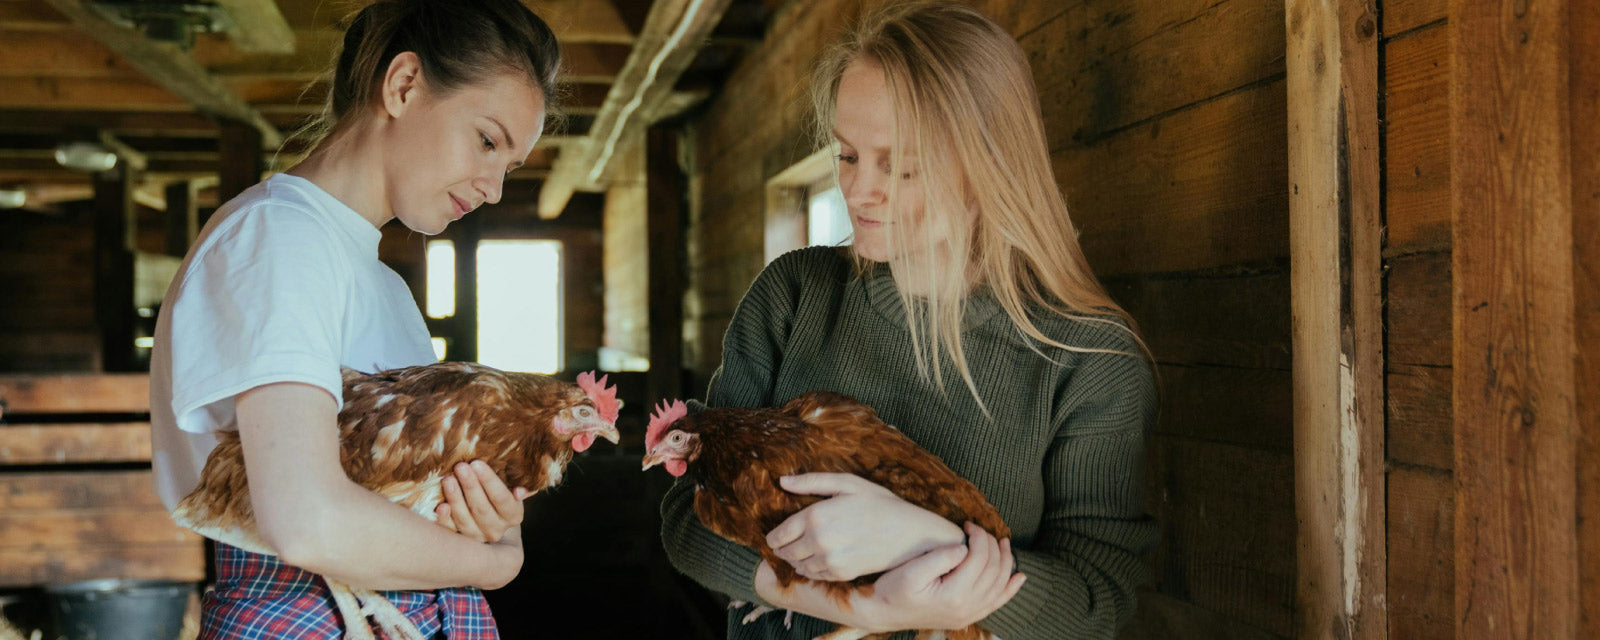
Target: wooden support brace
{"type": "Point", "coordinates": [1335, 236]}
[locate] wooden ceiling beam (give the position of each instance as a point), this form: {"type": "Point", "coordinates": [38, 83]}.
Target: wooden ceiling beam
{"type": "Point", "coordinates": [672, 34]}
{"type": "Point", "coordinates": [168, 67]}
{"type": "Point", "coordinates": [258, 26]}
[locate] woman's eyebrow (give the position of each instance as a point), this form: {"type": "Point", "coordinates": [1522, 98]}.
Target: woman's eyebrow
{"type": "Point", "coordinates": [505, 134]}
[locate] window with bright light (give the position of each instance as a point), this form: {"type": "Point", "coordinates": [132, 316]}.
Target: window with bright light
{"type": "Point", "coordinates": [519, 305]}
{"type": "Point", "coordinates": [441, 279]}
{"type": "Point", "coordinates": [828, 219]}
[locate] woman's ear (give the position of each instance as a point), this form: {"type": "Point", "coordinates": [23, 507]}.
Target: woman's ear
{"type": "Point", "coordinates": [401, 83]}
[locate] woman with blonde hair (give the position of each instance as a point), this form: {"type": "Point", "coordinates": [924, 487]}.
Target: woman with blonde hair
{"type": "Point", "coordinates": [965, 313]}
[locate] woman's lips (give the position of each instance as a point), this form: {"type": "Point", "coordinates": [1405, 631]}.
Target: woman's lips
{"type": "Point", "coordinates": [460, 207]}
{"type": "Point", "coordinates": [870, 224]}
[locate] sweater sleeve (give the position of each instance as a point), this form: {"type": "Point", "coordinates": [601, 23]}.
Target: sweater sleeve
{"type": "Point", "coordinates": [751, 351]}
{"type": "Point", "coordinates": [1085, 560]}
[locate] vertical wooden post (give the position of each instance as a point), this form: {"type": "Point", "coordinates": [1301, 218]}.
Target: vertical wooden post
{"type": "Point", "coordinates": [182, 217]}
{"type": "Point", "coordinates": [464, 324]}
{"type": "Point", "coordinates": [666, 199]}
{"type": "Point", "coordinates": [1585, 56]}
{"type": "Point", "coordinates": [1335, 234]}
{"type": "Point", "coordinates": [1514, 376]}
{"type": "Point", "coordinates": [239, 147]}
{"type": "Point", "coordinates": [114, 230]}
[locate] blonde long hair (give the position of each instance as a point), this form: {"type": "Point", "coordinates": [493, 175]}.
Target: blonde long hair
{"type": "Point", "coordinates": [964, 98]}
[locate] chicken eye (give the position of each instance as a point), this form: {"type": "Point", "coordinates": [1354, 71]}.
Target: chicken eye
{"type": "Point", "coordinates": [584, 412]}
{"type": "Point", "coordinates": [677, 438]}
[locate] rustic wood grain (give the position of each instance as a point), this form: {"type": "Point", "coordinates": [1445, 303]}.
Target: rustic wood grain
{"type": "Point", "coordinates": [1401, 16]}
{"type": "Point", "coordinates": [74, 443]}
{"type": "Point", "coordinates": [1419, 416]}
{"type": "Point", "coordinates": [76, 393]}
{"type": "Point", "coordinates": [1584, 27]}
{"type": "Point", "coordinates": [1211, 319]}
{"type": "Point", "coordinates": [1335, 233]}
{"type": "Point", "coordinates": [76, 490]}
{"type": "Point", "coordinates": [1418, 313]}
{"type": "Point", "coordinates": [1102, 66]}
{"type": "Point", "coordinates": [1421, 566]}
{"type": "Point", "coordinates": [1200, 189]}
{"type": "Point", "coordinates": [1417, 142]}
{"type": "Point", "coordinates": [1515, 421]}
{"type": "Point", "coordinates": [33, 567]}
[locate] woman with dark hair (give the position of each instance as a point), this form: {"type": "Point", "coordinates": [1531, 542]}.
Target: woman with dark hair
{"type": "Point", "coordinates": [433, 102]}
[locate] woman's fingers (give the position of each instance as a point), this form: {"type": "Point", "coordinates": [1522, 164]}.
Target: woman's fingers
{"type": "Point", "coordinates": [460, 513]}
{"type": "Point", "coordinates": [981, 550]}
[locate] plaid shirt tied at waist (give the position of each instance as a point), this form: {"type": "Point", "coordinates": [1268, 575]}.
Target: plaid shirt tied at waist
{"type": "Point", "coordinates": [258, 597]}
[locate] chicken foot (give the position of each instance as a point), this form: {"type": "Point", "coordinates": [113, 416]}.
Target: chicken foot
{"type": "Point", "coordinates": [359, 604]}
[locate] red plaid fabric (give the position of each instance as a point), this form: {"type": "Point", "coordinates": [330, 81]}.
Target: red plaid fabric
{"type": "Point", "coordinates": [257, 597]}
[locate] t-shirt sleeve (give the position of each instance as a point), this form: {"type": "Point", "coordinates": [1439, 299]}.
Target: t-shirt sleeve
{"type": "Point", "coordinates": [263, 302]}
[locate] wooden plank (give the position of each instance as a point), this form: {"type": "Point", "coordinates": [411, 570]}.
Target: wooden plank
{"type": "Point", "coordinates": [83, 393]}
{"type": "Point", "coordinates": [89, 94]}
{"type": "Point", "coordinates": [168, 67]}
{"type": "Point", "coordinates": [1419, 416]}
{"type": "Point", "coordinates": [33, 53]}
{"type": "Point", "coordinates": [68, 528]}
{"type": "Point", "coordinates": [1083, 61]}
{"type": "Point", "coordinates": [74, 443]}
{"type": "Point", "coordinates": [1209, 183]}
{"type": "Point", "coordinates": [1418, 313]}
{"type": "Point", "coordinates": [1584, 26]}
{"type": "Point", "coordinates": [33, 567]}
{"type": "Point", "coordinates": [1335, 232]}
{"type": "Point", "coordinates": [1417, 142]}
{"type": "Point", "coordinates": [1401, 16]}
{"type": "Point", "coordinates": [674, 32]}
{"type": "Point", "coordinates": [1421, 560]}
{"type": "Point", "coordinates": [77, 490]}
{"type": "Point", "coordinates": [1246, 407]}
{"type": "Point", "coordinates": [1228, 530]}
{"type": "Point", "coordinates": [1515, 421]}
{"type": "Point", "coordinates": [1197, 319]}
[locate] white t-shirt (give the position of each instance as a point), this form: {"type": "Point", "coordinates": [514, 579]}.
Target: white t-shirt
{"type": "Point", "coordinates": [283, 285]}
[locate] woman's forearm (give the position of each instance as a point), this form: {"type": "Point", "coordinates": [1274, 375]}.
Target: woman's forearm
{"type": "Point", "coordinates": [357, 537]}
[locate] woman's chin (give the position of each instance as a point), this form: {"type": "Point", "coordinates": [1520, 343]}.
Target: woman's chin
{"type": "Point", "coordinates": [426, 226]}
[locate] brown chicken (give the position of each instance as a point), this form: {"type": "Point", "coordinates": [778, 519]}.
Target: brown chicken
{"type": "Point", "coordinates": [735, 457]}
{"type": "Point", "coordinates": [401, 433]}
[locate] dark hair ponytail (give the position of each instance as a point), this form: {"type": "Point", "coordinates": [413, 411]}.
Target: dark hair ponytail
{"type": "Point", "coordinates": [459, 42]}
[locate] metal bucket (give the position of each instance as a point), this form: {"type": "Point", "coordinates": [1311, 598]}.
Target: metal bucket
{"type": "Point", "coordinates": [120, 609]}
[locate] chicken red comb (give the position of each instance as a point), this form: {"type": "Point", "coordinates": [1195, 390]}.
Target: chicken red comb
{"type": "Point", "coordinates": [604, 397]}
{"type": "Point", "coordinates": [663, 417]}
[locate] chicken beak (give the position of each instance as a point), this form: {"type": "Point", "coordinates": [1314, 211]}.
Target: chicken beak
{"type": "Point", "coordinates": [651, 460]}
{"type": "Point", "coordinates": [610, 433]}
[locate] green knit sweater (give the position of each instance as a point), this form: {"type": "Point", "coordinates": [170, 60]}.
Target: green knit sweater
{"type": "Point", "coordinates": [1062, 458]}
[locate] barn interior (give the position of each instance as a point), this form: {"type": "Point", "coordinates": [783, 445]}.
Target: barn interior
{"type": "Point", "coordinates": [1359, 237]}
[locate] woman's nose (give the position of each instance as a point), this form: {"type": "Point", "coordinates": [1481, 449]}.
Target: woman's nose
{"type": "Point", "coordinates": [862, 189]}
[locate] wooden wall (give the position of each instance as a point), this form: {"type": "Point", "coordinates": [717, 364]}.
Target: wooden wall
{"type": "Point", "coordinates": [1415, 50]}
{"type": "Point", "coordinates": [1176, 173]}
